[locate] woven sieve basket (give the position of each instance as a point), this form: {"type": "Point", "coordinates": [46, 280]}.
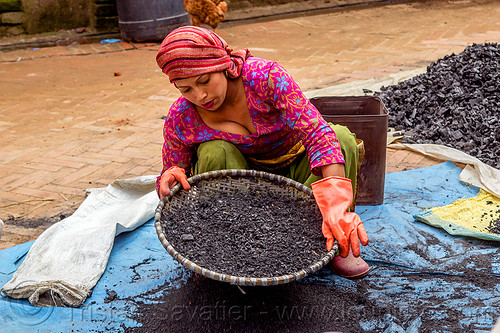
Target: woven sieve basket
{"type": "Point", "coordinates": [231, 181]}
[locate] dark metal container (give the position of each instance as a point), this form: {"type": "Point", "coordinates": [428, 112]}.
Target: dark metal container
{"type": "Point", "coordinates": [150, 20]}
{"type": "Point", "coordinates": [366, 116]}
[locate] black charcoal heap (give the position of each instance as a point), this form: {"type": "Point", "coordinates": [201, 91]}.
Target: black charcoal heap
{"type": "Point", "coordinates": [455, 103]}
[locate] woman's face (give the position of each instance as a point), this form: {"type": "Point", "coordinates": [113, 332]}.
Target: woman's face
{"type": "Point", "coordinates": [207, 91]}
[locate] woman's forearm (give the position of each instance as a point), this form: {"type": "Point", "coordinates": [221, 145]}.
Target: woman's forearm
{"type": "Point", "coordinates": [336, 169]}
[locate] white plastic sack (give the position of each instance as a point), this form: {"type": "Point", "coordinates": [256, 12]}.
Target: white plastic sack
{"type": "Point", "coordinates": [68, 259]}
{"type": "Point", "coordinates": [475, 172]}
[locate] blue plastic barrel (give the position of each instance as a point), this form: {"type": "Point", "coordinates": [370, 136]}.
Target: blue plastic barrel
{"type": "Point", "coordinates": [150, 20]}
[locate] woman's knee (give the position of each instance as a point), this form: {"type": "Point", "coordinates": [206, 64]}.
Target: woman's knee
{"type": "Point", "coordinates": [216, 148]}
{"type": "Point", "coordinates": [218, 155]}
{"type": "Point", "coordinates": [347, 141]}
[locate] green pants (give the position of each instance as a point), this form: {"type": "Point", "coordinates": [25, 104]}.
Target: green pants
{"type": "Point", "coordinates": [220, 154]}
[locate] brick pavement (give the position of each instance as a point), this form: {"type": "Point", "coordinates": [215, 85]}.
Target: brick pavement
{"type": "Point", "coordinates": [68, 122]}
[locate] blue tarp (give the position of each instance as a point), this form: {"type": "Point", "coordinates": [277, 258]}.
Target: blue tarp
{"type": "Point", "coordinates": [425, 273]}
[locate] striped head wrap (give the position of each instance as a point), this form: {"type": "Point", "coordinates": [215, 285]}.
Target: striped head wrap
{"type": "Point", "coordinates": [191, 51]}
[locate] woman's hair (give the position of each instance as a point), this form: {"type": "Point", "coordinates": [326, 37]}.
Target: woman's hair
{"type": "Point", "coordinates": [191, 51]}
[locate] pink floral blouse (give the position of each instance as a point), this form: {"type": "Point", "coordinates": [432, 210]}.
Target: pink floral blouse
{"type": "Point", "coordinates": [280, 113]}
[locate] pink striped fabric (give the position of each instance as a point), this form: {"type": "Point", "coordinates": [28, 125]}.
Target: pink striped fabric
{"type": "Point", "coordinates": [191, 51]}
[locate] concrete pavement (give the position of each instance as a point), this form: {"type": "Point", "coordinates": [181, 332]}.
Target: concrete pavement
{"type": "Point", "coordinates": [83, 115]}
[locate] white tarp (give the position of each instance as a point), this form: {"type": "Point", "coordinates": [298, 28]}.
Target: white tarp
{"type": "Point", "coordinates": [68, 258]}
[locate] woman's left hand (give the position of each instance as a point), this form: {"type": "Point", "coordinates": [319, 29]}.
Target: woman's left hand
{"type": "Point", "coordinates": [334, 196]}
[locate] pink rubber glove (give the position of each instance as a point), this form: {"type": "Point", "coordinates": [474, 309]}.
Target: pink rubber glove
{"type": "Point", "coordinates": [334, 196]}
{"type": "Point", "coordinates": [170, 178]}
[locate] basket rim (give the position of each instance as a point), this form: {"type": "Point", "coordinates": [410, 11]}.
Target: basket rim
{"type": "Point", "coordinates": [232, 279]}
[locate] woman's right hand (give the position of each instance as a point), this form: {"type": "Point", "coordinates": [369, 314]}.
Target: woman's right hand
{"type": "Point", "coordinates": [170, 178]}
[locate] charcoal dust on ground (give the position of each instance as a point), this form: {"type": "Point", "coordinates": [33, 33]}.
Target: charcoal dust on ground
{"type": "Point", "coordinates": [34, 222]}
{"type": "Point", "coordinates": [205, 305]}
{"type": "Point", "coordinates": [456, 103]}
{"type": "Point", "coordinates": [309, 305]}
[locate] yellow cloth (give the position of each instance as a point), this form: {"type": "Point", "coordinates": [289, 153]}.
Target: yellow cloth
{"type": "Point", "coordinates": [471, 217]}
